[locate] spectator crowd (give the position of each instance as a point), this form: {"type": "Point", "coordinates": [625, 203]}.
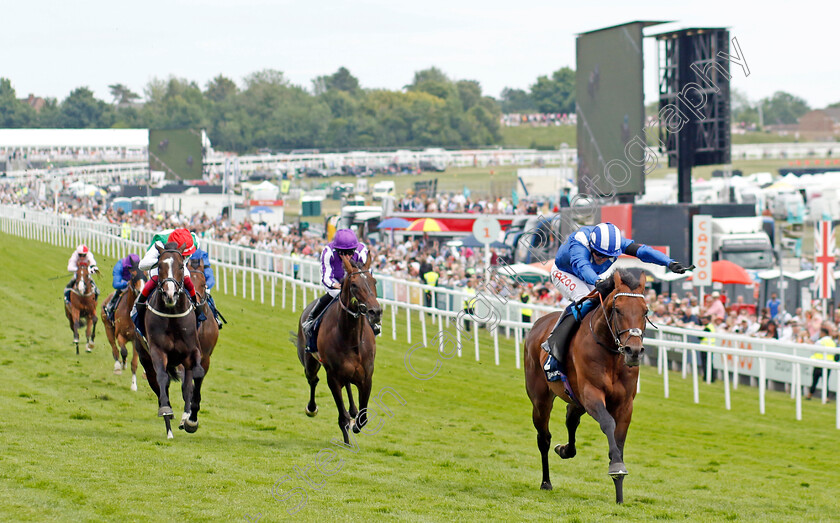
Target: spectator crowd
{"type": "Point", "coordinates": [427, 260]}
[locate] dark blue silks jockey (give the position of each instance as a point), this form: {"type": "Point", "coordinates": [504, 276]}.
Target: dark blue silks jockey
{"type": "Point", "coordinates": [122, 276]}
{"type": "Point", "coordinates": [578, 266]}
{"type": "Point", "coordinates": [209, 279]}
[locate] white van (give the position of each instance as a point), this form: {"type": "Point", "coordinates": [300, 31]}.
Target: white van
{"type": "Point", "coordinates": [382, 189]}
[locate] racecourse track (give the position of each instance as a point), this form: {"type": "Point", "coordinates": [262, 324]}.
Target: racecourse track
{"type": "Point", "coordinates": [77, 444]}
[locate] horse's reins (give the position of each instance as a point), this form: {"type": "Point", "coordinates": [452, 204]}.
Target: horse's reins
{"type": "Point", "coordinates": [361, 308]}
{"type": "Point", "coordinates": [633, 332]}
{"type": "Point", "coordinates": [92, 285]}
{"type": "Point", "coordinates": [203, 300]}
{"type": "Point", "coordinates": [179, 288]}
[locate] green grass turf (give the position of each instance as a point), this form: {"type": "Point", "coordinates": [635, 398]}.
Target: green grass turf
{"type": "Point", "coordinates": [77, 445]}
{"type": "Point", "coordinates": [539, 137]}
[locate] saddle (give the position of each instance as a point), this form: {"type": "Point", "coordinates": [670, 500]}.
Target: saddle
{"type": "Point", "coordinates": [312, 342]}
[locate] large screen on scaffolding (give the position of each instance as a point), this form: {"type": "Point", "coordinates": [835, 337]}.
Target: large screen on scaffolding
{"type": "Point", "coordinates": [610, 109]}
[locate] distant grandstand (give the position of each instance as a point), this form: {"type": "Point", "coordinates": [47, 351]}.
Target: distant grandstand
{"type": "Point", "coordinates": [31, 148]}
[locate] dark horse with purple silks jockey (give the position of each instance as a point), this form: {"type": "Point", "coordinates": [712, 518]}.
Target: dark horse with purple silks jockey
{"type": "Point", "coordinates": [346, 346]}
{"type": "Point", "coordinates": [602, 367]}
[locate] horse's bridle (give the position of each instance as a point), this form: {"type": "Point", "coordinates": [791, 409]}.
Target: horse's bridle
{"type": "Point", "coordinates": [179, 285]}
{"type": "Point", "coordinates": [361, 308]}
{"type": "Point", "coordinates": [204, 300]}
{"type": "Point", "coordinates": [631, 333]}
{"type": "Point", "coordinates": [91, 289]}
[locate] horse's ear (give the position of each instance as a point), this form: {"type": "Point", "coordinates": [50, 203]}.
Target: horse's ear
{"type": "Point", "coordinates": [159, 248]}
{"type": "Point", "coordinates": [182, 248]}
{"type": "Point", "coordinates": [345, 261]}
{"type": "Point", "coordinates": [368, 261]}
{"type": "Point", "coordinates": [616, 279]}
{"type": "Point", "coordinates": [642, 281]}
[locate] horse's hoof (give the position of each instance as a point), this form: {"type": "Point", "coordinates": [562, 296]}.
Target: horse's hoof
{"type": "Point", "coordinates": [165, 411]}
{"type": "Point", "coordinates": [134, 387]}
{"type": "Point", "coordinates": [564, 451]}
{"type": "Point", "coordinates": [191, 426]}
{"type": "Point", "coordinates": [117, 368]}
{"type": "Point", "coordinates": [546, 485]}
{"type": "Point", "coordinates": [309, 413]}
{"type": "Point", "coordinates": [617, 470]}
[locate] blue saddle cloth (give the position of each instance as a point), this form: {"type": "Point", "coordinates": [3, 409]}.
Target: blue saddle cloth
{"type": "Point", "coordinates": [552, 370]}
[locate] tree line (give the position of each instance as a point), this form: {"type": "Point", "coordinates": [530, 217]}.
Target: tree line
{"type": "Point", "coordinates": [269, 112]}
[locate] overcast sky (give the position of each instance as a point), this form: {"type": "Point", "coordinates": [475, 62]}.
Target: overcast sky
{"type": "Point", "coordinates": [50, 47]}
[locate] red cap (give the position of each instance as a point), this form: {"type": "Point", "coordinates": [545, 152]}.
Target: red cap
{"type": "Point", "coordinates": [181, 237]}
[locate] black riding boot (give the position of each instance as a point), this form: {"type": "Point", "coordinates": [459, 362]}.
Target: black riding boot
{"type": "Point", "coordinates": [138, 314]}
{"type": "Point", "coordinates": [112, 305]}
{"type": "Point", "coordinates": [558, 341]}
{"type": "Point", "coordinates": [67, 290]}
{"type": "Point", "coordinates": [559, 338]}
{"type": "Point", "coordinates": [316, 311]}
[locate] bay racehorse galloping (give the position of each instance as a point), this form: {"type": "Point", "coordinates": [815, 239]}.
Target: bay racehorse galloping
{"type": "Point", "coordinates": [82, 306]}
{"type": "Point", "coordinates": [208, 335]}
{"type": "Point", "coordinates": [121, 331]}
{"type": "Point", "coordinates": [171, 333]}
{"type": "Point", "coordinates": [346, 346]}
{"type": "Point", "coordinates": [602, 367]}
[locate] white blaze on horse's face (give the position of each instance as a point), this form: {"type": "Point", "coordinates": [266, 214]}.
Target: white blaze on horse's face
{"type": "Point", "coordinates": [169, 286]}
{"type": "Point", "coordinates": [80, 285]}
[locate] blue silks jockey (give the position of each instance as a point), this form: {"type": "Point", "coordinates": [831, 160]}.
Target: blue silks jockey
{"type": "Point", "coordinates": [122, 276]}
{"type": "Point", "coordinates": [209, 280]}
{"type": "Point", "coordinates": [578, 266]}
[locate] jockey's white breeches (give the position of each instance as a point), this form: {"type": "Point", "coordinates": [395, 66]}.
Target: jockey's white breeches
{"type": "Point", "coordinates": [570, 286]}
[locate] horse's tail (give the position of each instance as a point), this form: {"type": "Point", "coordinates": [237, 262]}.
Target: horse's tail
{"type": "Point", "coordinates": [173, 373]}
{"type": "Point", "coordinates": [293, 338]}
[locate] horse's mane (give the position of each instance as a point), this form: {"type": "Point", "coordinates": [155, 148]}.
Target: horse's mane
{"type": "Point", "coordinates": [356, 264]}
{"type": "Point", "coordinates": [628, 278]}
{"type": "Point", "coordinates": [171, 246]}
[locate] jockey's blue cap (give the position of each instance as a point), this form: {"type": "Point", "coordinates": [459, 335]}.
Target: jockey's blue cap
{"type": "Point", "coordinates": [605, 239]}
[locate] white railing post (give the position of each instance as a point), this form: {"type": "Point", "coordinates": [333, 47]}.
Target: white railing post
{"type": "Point", "coordinates": [393, 321]}
{"type": "Point", "coordinates": [694, 376]}
{"type": "Point", "coordinates": [408, 323]}
{"type": "Point", "coordinates": [476, 327]}
{"type": "Point", "coordinates": [762, 384]}
{"type": "Point", "coordinates": [516, 340]}
{"type": "Point", "coordinates": [726, 397]}
{"type": "Point", "coordinates": [797, 390]}
{"type": "Point", "coordinates": [825, 382]}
